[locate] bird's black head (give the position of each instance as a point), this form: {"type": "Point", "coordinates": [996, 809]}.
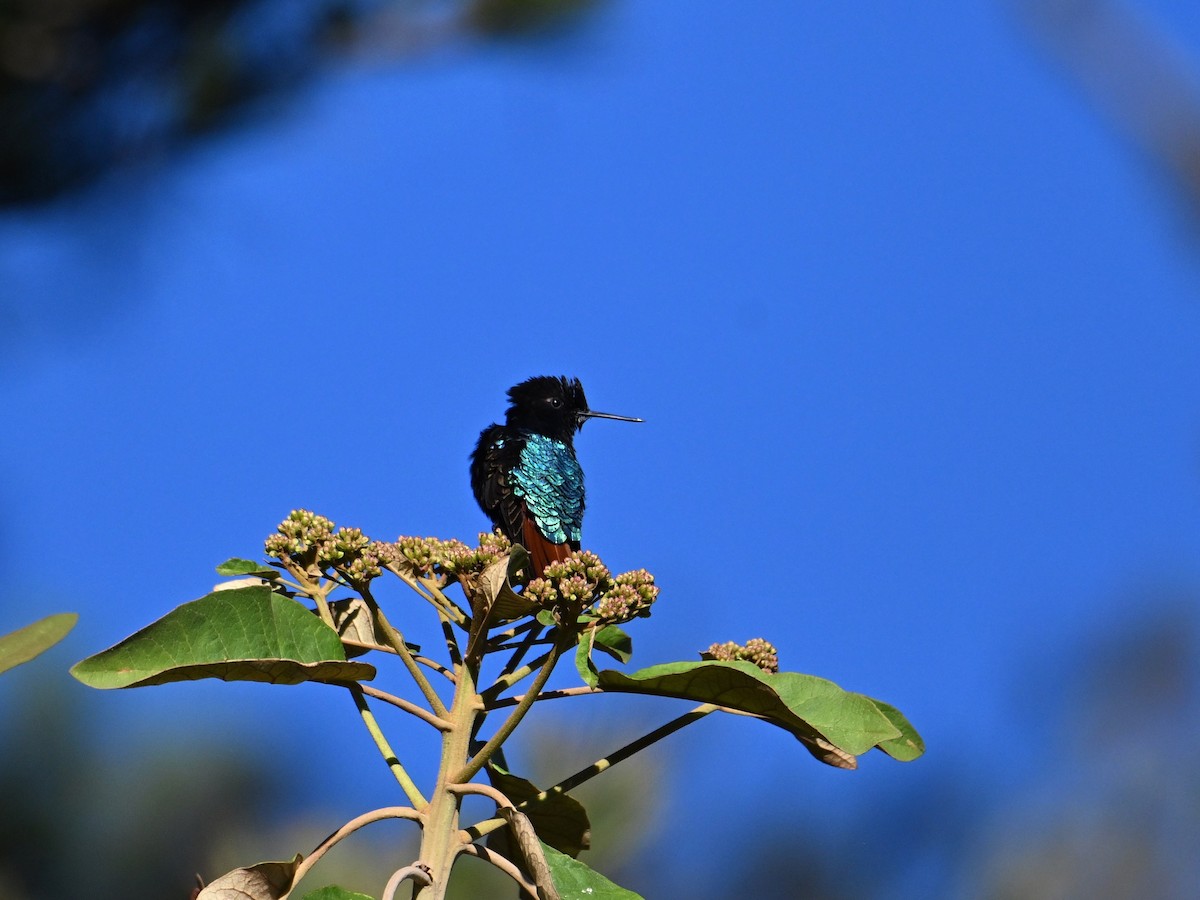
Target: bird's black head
{"type": "Point", "coordinates": [553, 406]}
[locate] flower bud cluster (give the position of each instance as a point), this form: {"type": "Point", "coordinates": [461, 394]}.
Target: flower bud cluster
{"type": "Point", "coordinates": [299, 533]}
{"type": "Point", "coordinates": [464, 560]}
{"type": "Point", "coordinates": [306, 538]}
{"type": "Point", "coordinates": [630, 596]}
{"type": "Point", "coordinates": [582, 580]}
{"type": "Point", "coordinates": [756, 650]}
{"type": "Point", "coordinates": [345, 544]}
{"type": "Point", "coordinates": [364, 564]}
{"type": "Point", "coordinates": [426, 557]}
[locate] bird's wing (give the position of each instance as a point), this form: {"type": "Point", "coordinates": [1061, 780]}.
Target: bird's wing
{"type": "Point", "coordinates": [496, 454]}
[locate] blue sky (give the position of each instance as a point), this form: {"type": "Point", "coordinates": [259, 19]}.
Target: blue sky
{"type": "Point", "coordinates": [913, 332]}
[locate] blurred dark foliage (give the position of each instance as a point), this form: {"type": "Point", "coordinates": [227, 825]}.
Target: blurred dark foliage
{"type": "Point", "coordinates": [1134, 72]}
{"type": "Point", "coordinates": [87, 85]}
{"type": "Point", "coordinates": [77, 822]}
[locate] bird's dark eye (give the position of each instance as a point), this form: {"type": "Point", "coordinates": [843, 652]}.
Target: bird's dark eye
{"type": "Point", "coordinates": [555, 402]}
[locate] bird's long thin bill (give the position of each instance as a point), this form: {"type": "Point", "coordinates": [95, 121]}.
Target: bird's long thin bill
{"type": "Point", "coordinates": [590, 414]}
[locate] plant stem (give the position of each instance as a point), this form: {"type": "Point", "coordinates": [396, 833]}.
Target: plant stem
{"type": "Point", "coordinates": [508, 868]}
{"type": "Point", "coordinates": [545, 695]}
{"type": "Point", "coordinates": [415, 797]}
{"type": "Point", "coordinates": [386, 648]}
{"type": "Point", "coordinates": [451, 641]}
{"type": "Point", "coordinates": [521, 649]}
{"type": "Point", "coordinates": [407, 705]}
{"type": "Point", "coordinates": [375, 815]}
{"type": "Point", "coordinates": [415, 872]}
{"type": "Point", "coordinates": [625, 752]}
{"type": "Point", "coordinates": [485, 753]}
{"type": "Point", "coordinates": [452, 609]}
{"type": "Point", "coordinates": [397, 641]}
{"type": "Point", "coordinates": [504, 682]}
{"type": "Point", "coordinates": [441, 841]}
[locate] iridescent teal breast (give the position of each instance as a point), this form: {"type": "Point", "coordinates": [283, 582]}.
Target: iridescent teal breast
{"type": "Point", "coordinates": [550, 480]}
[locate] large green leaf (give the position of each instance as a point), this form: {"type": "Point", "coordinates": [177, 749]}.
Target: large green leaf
{"type": "Point", "coordinates": [25, 643]}
{"type": "Point", "coordinates": [245, 634]}
{"type": "Point", "coordinates": [835, 725]}
{"type": "Point", "coordinates": [576, 881]}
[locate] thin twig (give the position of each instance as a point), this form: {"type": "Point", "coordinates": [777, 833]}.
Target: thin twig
{"type": "Point", "coordinates": [455, 612]}
{"type": "Point", "coordinates": [417, 872]}
{"type": "Point", "coordinates": [504, 682]}
{"type": "Point", "coordinates": [504, 865]}
{"type": "Point", "coordinates": [486, 790]}
{"type": "Point", "coordinates": [422, 660]}
{"type": "Point", "coordinates": [415, 797]}
{"type": "Point", "coordinates": [397, 641]}
{"type": "Point", "coordinates": [623, 753]}
{"type": "Point", "coordinates": [451, 642]}
{"type": "Point", "coordinates": [545, 695]}
{"type": "Point", "coordinates": [522, 648]}
{"type": "Point", "coordinates": [375, 815]}
{"type": "Point", "coordinates": [407, 705]}
{"type": "Point", "coordinates": [485, 753]}
{"type": "Point", "coordinates": [482, 828]}
{"type": "Point", "coordinates": [527, 625]}
{"type": "Point", "coordinates": [437, 667]}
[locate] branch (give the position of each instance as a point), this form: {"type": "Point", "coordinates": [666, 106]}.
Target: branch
{"type": "Point", "coordinates": [485, 790]}
{"type": "Point", "coordinates": [417, 872]}
{"type": "Point", "coordinates": [397, 641]}
{"type": "Point", "coordinates": [451, 642]}
{"type": "Point", "coordinates": [545, 695]}
{"type": "Point", "coordinates": [375, 815]}
{"type": "Point", "coordinates": [506, 866]}
{"type": "Point", "coordinates": [452, 609]}
{"type": "Point", "coordinates": [412, 648]}
{"type": "Point", "coordinates": [407, 705]}
{"type": "Point", "coordinates": [415, 797]}
{"type": "Point", "coordinates": [522, 648]}
{"type": "Point", "coordinates": [485, 753]}
{"type": "Point", "coordinates": [504, 682]}
{"type": "Point", "coordinates": [624, 753]}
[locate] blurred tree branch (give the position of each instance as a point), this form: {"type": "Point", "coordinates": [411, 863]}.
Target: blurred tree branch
{"type": "Point", "coordinates": [87, 85]}
{"type": "Point", "coordinates": [1134, 73]}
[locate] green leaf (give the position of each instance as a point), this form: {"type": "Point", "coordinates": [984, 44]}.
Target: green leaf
{"type": "Point", "coordinates": [333, 892]}
{"type": "Point", "coordinates": [615, 642]}
{"type": "Point", "coordinates": [909, 745]}
{"type": "Point", "coordinates": [235, 566]}
{"type": "Point", "coordinates": [576, 881]}
{"type": "Point", "coordinates": [559, 819]}
{"type": "Point", "coordinates": [246, 634]}
{"type": "Point", "coordinates": [583, 658]}
{"type": "Point", "coordinates": [265, 881]}
{"type": "Point", "coordinates": [833, 724]}
{"type": "Point", "coordinates": [25, 643]}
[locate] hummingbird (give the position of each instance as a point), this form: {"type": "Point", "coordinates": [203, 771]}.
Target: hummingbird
{"type": "Point", "coordinates": [524, 473]}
